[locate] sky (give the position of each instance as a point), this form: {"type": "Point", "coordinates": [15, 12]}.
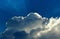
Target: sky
{"type": "Point", "coordinates": [11, 8]}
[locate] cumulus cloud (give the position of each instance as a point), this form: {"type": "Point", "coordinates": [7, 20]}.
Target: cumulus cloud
{"type": "Point", "coordinates": [32, 26]}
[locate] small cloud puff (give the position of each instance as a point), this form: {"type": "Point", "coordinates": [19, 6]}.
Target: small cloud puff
{"type": "Point", "coordinates": [32, 26]}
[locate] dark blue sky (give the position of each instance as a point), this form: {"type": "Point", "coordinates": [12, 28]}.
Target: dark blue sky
{"type": "Point", "coordinates": [10, 8]}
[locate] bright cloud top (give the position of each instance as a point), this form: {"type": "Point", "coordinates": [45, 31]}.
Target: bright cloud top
{"type": "Point", "coordinates": [34, 26]}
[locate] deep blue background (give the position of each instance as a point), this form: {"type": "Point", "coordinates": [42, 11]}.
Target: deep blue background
{"type": "Point", "coordinates": [10, 8]}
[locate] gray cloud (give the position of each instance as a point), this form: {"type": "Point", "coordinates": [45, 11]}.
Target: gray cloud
{"type": "Point", "coordinates": [32, 26]}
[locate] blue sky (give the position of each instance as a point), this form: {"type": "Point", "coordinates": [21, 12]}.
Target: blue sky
{"type": "Point", "coordinates": [10, 8]}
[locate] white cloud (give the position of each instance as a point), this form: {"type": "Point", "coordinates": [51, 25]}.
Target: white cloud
{"type": "Point", "coordinates": [36, 26]}
{"type": "Point", "coordinates": [31, 21]}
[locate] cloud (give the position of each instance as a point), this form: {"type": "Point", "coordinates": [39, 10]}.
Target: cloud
{"type": "Point", "coordinates": [31, 21]}
{"type": "Point", "coordinates": [32, 26]}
